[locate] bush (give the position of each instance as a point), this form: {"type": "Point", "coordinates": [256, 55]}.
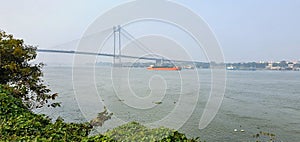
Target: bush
{"type": "Point", "coordinates": [21, 76]}
{"type": "Point", "coordinates": [134, 131]}
{"type": "Point", "coordinates": [17, 123]}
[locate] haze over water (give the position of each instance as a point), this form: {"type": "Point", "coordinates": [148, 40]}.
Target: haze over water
{"type": "Point", "coordinates": [254, 101]}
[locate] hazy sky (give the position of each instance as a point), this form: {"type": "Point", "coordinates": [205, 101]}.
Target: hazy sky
{"type": "Point", "coordinates": [248, 30]}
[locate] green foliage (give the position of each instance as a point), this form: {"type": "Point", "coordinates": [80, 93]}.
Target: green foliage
{"type": "Point", "coordinates": [178, 137]}
{"type": "Point", "coordinates": [133, 131]}
{"type": "Point", "coordinates": [17, 123]}
{"type": "Point", "coordinates": [21, 77]}
{"type": "Point", "coordinates": [98, 138]}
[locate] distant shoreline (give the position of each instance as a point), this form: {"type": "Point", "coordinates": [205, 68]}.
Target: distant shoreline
{"type": "Point", "coordinates": [249, 66]}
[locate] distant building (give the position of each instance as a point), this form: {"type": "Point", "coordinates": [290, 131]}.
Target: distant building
{"type": "Point", "coordinates": [231, 67]}
{"type": "Point", "coordinates": [291, 65]}
{"type": "Point", "coordinates": [273, 66]}
{"type": "Point", "coordinates": [269, 66]}
{"type": "Point", "coordinates": [296, 67]}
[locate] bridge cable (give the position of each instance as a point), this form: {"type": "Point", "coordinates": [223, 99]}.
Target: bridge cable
{"type": "Point", "coordinates": [138, 43]}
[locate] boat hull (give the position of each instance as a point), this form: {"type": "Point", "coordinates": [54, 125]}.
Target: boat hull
{"type": "Point", "coordinates": [164, 68]}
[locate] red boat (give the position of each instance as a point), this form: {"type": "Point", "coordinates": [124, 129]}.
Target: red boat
{"type": "Point", "coordinates": [164, 68]}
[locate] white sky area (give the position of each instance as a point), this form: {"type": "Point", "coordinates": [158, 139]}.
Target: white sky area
{"type": "Point", "coordinates": [247, 30]}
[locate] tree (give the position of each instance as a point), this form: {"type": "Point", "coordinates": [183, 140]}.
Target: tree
{"type": "Point", "coordinates": [21, 76]}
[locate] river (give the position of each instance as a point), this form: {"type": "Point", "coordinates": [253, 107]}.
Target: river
{"type": "Point", "coordinates": [254, 101]}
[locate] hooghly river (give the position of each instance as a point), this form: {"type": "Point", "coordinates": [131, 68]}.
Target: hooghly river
{"type": "Point", "coordinates": [254, 101]}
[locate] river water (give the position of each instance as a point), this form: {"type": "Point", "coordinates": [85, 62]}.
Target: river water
{"type": "Point", "coordinates": [254, 101]}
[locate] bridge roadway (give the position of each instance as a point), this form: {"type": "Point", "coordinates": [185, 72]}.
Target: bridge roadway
{"type": "Point", "coordinates": [112, 55]}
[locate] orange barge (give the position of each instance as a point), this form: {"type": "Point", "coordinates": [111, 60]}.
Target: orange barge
{"type": "Point", "coordinates": [164, 68]}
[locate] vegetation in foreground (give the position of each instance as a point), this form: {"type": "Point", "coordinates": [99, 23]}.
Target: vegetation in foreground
{"type": "Point", "coordinates": [134, 131]}
{"type": "Point", "coordinates": [22, 77]}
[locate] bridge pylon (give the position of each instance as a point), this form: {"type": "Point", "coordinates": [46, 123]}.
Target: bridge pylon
{"type": "Point", "coordinates": [117, 44]}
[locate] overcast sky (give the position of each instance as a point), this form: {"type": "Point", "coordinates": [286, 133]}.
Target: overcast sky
{"type": "Point", "coordinates": [248, 30]}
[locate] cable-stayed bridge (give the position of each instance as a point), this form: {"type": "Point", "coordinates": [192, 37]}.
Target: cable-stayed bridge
{"type": "Point", "coordinates": [117, 33]}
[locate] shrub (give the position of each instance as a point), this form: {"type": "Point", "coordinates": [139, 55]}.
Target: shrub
{"type": "Point", "coordinates": [17, 123]}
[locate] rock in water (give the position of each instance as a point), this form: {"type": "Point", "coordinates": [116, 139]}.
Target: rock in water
{"type": "Point", "coordinates": [101, 118]}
